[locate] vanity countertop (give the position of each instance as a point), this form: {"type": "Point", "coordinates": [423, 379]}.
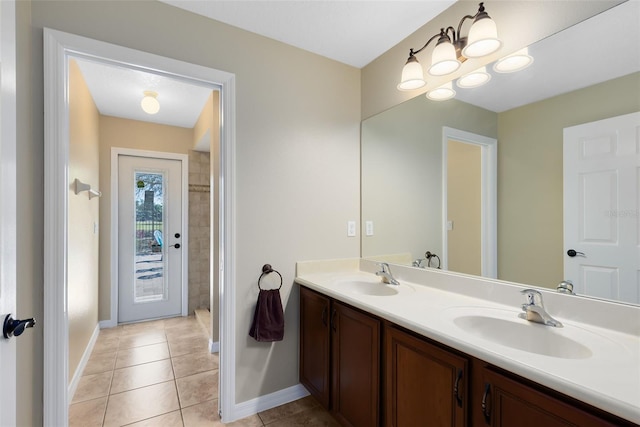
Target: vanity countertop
{"type": "Point", "coordinates": [607, 376]}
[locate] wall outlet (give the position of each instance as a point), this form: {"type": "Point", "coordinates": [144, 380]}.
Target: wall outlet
{"type": "Point", "coordinates": [369, 228]}
{"type": "Point", "coordinates": [449, 225]}
{"type": "Point", "coordinates": [351, 228]}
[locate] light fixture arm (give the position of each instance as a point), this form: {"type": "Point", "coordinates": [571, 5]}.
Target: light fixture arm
{"type": "Point", "coordinates": [440, 34]}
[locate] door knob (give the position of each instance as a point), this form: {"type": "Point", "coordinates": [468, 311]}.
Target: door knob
{"type": "Point", "coordinates": [573, 252]}
{"type": "Point", "coordinates": [177, 246]}
{"type": "Point", "coordinates": [13, 327]}
{"type": "Point", "coordinates": [177, 235]}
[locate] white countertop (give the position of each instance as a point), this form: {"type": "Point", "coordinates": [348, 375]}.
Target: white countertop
{"type": "Point", "coordinates": [607, 376]}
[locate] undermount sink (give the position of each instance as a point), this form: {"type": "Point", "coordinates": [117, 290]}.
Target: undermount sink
{"type": "Point", "coordinates": [505, 328]}
{"type": "Point", "coordinates": [369, 288]}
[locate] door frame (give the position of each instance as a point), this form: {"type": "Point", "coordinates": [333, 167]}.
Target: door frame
{"type": "Point", "coordinates": [58, 48]}
{"type": "Point", "coordinates": [115, 204]}
{"type": "Point", "coordinates": [489, 197]}
{"type": "Point", "coordinates": [8, 195]}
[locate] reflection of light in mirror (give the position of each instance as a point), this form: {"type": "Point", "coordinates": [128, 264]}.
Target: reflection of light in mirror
{"type": "Point", "coordinates": [149, 103]}
{"type": "Point", "coordinates": [515, 62]}
{"type": "Point", "coordinates": [474, 79]}
{"type": "Point", "coordinates": [442, 93]}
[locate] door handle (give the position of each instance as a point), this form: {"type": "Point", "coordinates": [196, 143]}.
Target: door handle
{"type": "Point", "coordinates": [13, 327]}
{"type": "Point", "coordinates": [177, 246]}
{"type": "Point", "coordinates": [573, 252]}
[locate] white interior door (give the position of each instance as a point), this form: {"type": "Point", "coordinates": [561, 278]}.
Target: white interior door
{"type": "Point", "coordinates": [601, 207]}
{"type": "Point", "coordinates": [7, 209]}
{"type": "Point", "coordinates": [150, 279]}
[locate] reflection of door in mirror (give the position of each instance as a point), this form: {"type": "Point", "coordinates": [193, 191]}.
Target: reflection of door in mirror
{"type": "Point", "coordinates": [463, 207]}
{"type": "Point", "coordinates": [601, 164]}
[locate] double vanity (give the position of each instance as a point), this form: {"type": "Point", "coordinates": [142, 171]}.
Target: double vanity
{"type": "Point", "coordinates": [436, 348]}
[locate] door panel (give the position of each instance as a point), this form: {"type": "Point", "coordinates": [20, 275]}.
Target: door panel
{"type": "Point", "coordinates": [601, 207]}
{"type": "Point", "coordinates": [149, 238]}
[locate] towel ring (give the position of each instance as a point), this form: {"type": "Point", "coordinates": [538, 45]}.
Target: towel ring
{"type": "Point", "coordinates": [266, 269]}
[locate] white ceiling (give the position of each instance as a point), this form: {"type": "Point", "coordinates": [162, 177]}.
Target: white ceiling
{"type": "Point", "coordinates": [356, 32]}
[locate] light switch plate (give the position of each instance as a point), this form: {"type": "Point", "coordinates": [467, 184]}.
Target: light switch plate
{"type": "Point", "coordinates": [351, 228]}
{"type": "Point", "coordinates": [369, 228]}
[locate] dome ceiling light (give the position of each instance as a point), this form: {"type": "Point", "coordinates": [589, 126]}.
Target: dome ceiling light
{"type": "Point", "coordinates": [149, 103]}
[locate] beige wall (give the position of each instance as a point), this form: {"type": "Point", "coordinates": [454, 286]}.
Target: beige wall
{"type": "Point", "coordinates": [530, 248]}
{"type": "Point", "coordinates": [123, 133]}
{"type": "Point", "coordinates": [297, 151]}
{"type": "Point", "coordinates": [402, 168]}
{"type": "Point", "coordinates": [519, 22]}
{"type": "Point", "coordinates": [464, 175]}
{"type": "Point", "coordinates": [84, 219]}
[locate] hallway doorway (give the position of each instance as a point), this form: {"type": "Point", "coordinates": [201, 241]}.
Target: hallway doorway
{"type": "Point", "coordinates": [59, 49]}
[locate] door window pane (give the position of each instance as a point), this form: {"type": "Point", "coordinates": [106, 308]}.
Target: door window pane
{"type": "Point", "coordinates": [150, 260]}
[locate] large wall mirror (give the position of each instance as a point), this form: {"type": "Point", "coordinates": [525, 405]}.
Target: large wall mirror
{"type": "Point", "coordinates": [409, 169]}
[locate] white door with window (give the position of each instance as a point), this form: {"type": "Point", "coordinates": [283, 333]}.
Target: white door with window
{"type": "Point", "coordinates": [150, 238]}
{"type": "Point", "coordinates": [601, 202]}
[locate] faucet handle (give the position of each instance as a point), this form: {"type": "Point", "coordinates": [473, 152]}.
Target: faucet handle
{"type": "Point", "coordinates": [533, 297]}
{"type": "Point", "coordinates": [384, 267]}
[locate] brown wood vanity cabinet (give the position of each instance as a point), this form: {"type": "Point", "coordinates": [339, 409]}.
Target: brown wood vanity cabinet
{"type": "Point", "coordinates": [425, 385]}
{"type": "Point", "coordinates": [369, 372]}
{"type": "Point", "coordinates": [340, 358]}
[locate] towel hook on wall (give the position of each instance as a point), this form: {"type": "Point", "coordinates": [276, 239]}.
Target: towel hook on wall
{"type": "Point", "coordinates": [81, 186]}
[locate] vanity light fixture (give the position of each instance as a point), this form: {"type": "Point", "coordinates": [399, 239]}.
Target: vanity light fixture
{"type": "Point", "coordinates": [452, 49]}
{"type": "Point", "coordinates": [442, 93]}
{"type": "Point", "coordinates": [149, 103]}
{"type": "Point", "coordinates": [517, 61]}
{"type": "Point", "coordinates": [474, 79]}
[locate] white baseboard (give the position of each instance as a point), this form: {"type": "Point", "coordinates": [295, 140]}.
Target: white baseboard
{"type": "Point", "coordinates": [73, 385]}
{"type": "Point", "coordinates": [262, 403]}
{"type": "Point", "coordinates": [104, 324]}
{"type": "Point", "coordinates": [214, 347]}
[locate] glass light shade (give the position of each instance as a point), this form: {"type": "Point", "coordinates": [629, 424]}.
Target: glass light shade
{"type": "Point", "coordinates": [474, 79]}
{"type": "Point", "coordinates": [515, 62]}
{"type": "Point", "coordinates": [412, 75]}
{"type": "Point", "coordinates": [444, 60]}
{"type": "Point", "coordinates": [482, 40]}
{"type": "Point", "coordinates": [149, 103]}
{"type": "Point", "coordinates": [442, 93]}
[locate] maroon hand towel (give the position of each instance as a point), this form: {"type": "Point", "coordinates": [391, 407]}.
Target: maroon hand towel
{"type": "Point", "coordinates": [268, 319]}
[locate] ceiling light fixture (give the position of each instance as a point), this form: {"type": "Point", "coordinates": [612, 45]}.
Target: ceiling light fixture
{"type": "Point", "coordinates": [149, 103]}
{"type": "Point", "coordinates": [451, 51]}
{"type": "Point", "coordinates": [474, 79]}
{"type": "Point", "coordinates": [442, 93]}
{"type": "Point", "coordinates": [517, 61]}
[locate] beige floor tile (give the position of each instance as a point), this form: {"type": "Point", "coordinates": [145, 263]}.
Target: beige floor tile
{"type": "Point", "coordinates": [141, 375]}
{"type": "Point", "coordinates": [116, 331]}
{"type": "Point", "coordinates": [139, 355]}
{"type": "Point", "coordinates": [93, 386]}
{"type": "Point", "coordinates": [100, 362]}
{"type": "Point", "coordinates": [190, 364]}
{"type": "Point", "coordinates": [154, 336]}
{"type": "Point", "coordinates": [202, 414]}
{"type": "Point", "coordinates": [186, 322]}
{"type": "Point", "coordinates": [188, 345]}
{"type": "Point", "coordinates": [179, 333]}
{"type": "Point", "coordinates": [289, 409]}
{"type": "Point", "coordinates": [197, 388]}
{"type": "Point", "coordinates": [87, 414]}
{"type": "Point", "coordinates": [140, 404]}
{"type": "Point", "coordinates": [106, 343]}
{"type": "Point", "coordinates": [135, 328]}
{"type": "Point", "coordinates": [315, 417]}
{"type": "Point", "coordinates": [172, 419]}
{"type": "Point", "coordinates": [205, 414]}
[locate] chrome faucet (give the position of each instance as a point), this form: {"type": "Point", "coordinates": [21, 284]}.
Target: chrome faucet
{"type": "Point", "coordinates": [534, 309]}
{"type": "Point", "coordinates": [385, 274]}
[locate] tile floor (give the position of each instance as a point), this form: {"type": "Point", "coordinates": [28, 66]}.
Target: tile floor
{"type": "Point", "coordinates": [161, 374]}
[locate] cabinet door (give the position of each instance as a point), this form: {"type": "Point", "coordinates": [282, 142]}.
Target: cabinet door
{"type": "Point", "coordinates": [314, 344]}
{"type": "Point", "coordinates": [506, 402]}
{"type": "Point", "coordinates": [355, 366]}
{"type": "Point", "coordinates": [425, 384]}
